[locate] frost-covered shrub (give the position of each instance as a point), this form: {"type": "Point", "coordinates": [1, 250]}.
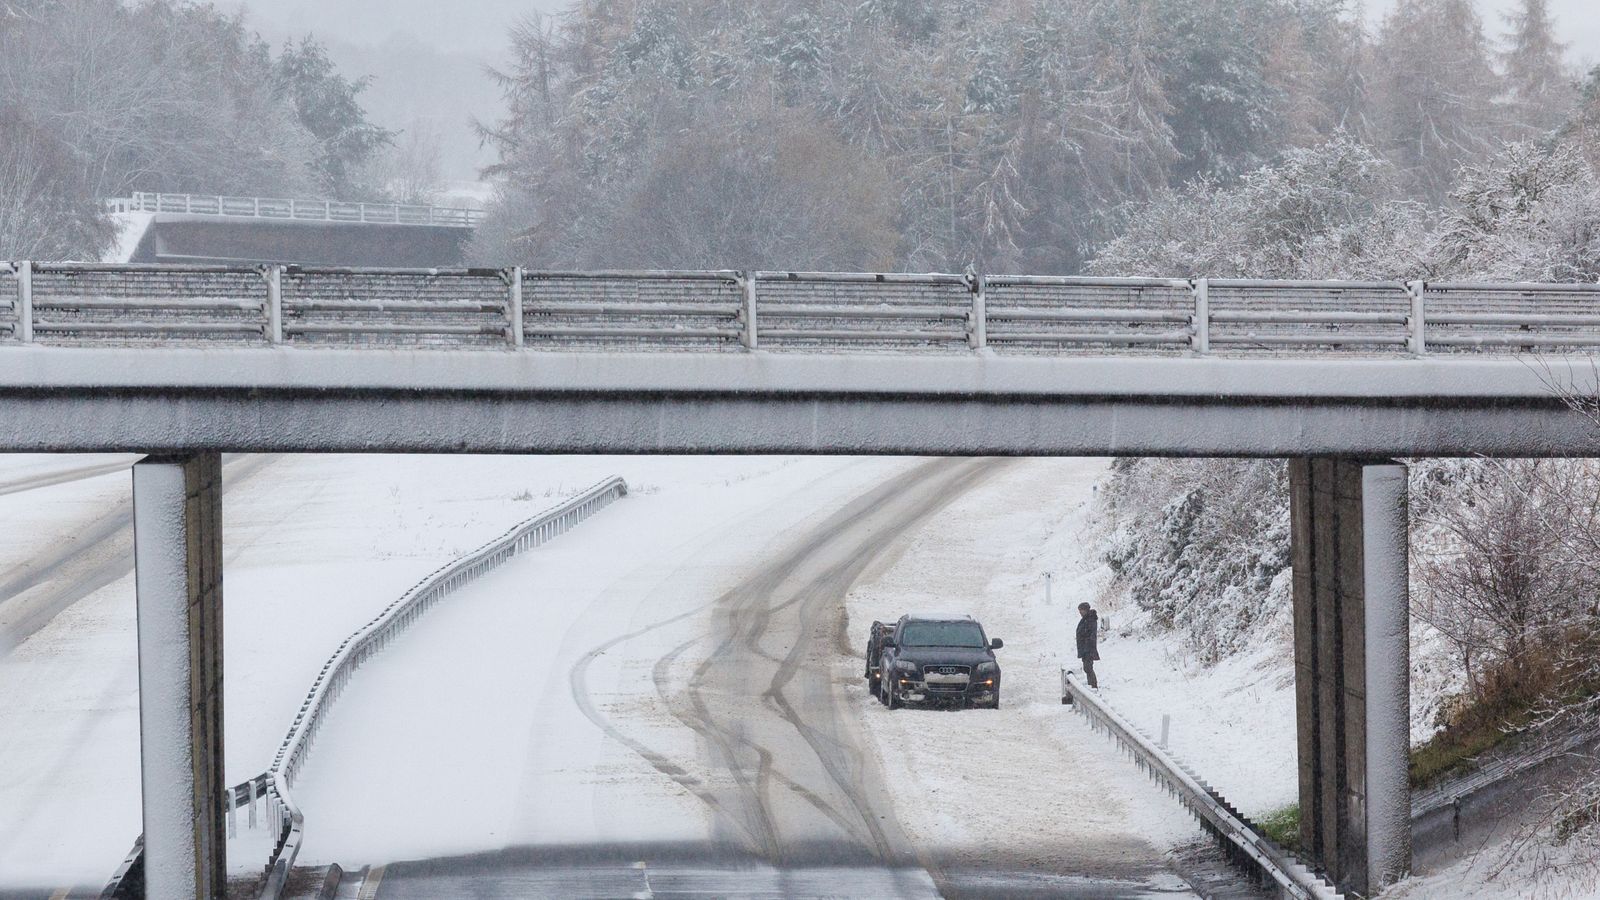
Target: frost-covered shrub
{"type": "Point", "coordinates": [1201, 546]}
{"type": "Point", "coordinates": [1531, 214]}
{"type": "Point", "coordinates": [1320, 212]}
{"type": "Point", "coordinates": [1495, 571]}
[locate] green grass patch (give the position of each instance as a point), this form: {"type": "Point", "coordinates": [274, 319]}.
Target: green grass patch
{"type": "Point", "coordinates": [1283, 827]}
{"type": "Point", "coordinates": [1504, 704]}
{"type": "Point", "coordinates": [1452, 750]}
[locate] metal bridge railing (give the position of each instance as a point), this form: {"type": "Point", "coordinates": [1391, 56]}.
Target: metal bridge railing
{"type": "Point", "coordinates": [72, 304]}
{"type": "Point", "coordinates": [1270, 864]}
{"type": "Point", "coordinates": [304, 210]}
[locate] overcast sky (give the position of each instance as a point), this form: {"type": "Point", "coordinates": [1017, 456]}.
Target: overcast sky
{"type": "Point", "coordinates": [1578, 21]}
{"type": "Point", "coordinates": [474, 26]}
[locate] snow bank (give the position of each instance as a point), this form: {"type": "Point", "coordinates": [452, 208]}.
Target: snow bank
{"type": "Point", "coordinates": [131, 229]}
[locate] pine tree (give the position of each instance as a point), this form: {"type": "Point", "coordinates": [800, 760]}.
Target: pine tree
{"type": "Point", "coordinates": [1540, 83]}
{"type": "Point", "coordinates": [1436, 89]}
{"type": "Point", "coordinates": [329, 106]}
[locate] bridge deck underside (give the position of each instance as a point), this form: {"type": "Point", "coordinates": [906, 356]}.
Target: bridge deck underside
{"type": "Point", "coordinates": [154, 399]}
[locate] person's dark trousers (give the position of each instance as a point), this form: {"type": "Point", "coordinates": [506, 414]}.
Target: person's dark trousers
{"type": "Point", "coordinates": [1088, 672]}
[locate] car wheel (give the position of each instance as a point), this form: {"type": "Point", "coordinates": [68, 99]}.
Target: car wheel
{"type": "Point", "coordinates": [890, 698]}
{"type": "Point", "coordinates": [873, 683]}
{"type": "Point", "coordinates": [996, 700]}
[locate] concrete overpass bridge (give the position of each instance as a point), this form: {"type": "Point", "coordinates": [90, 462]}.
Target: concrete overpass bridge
{"type": "Point", "coordinates": [185, 362]}
{"type": "Point", "coordinates": [205, 228]}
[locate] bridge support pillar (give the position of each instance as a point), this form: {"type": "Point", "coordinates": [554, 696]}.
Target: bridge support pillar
{"type": "Point", "coordinates": [1352, 670]}
{"type": "Point", "coordinates": [177, 532]}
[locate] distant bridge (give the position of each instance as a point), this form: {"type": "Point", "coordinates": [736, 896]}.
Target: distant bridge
{"type": "Point", "coordinates": [207, 228]}
{"type": "Point", "coordinates": [98, 357]}
{"type": "Point", "coordinates": [299, 210]}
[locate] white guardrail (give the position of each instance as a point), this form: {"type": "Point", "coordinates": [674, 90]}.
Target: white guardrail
{"type": "Point", "coordinates": [1271, 864]}
{"type": "Point", "coordinates": [303, 210]}
{"type": "Point", "coordinates": [270, 792]}
{"type": "Point", "coordinates": [82, 304]}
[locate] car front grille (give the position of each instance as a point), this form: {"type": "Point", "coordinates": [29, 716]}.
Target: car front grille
{"type": "Point", "coordinates": [947, 679]}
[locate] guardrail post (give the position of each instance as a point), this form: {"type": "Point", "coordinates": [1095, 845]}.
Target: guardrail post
{"type": "Point", "coordinates": [1416, 322]}
{"type": "Point", "coordinates": [1200, 322]}
{"type": "Point", "coordinates": [978, 318]}
{"type": "Point", "coordinates": [747, 282]}
{"type": "Point", "coordinates": [274, 275]}
{"type": "Point", "coordinates": [514, 305]}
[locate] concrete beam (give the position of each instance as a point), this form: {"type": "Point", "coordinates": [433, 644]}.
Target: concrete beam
{"type": "Point", "coordinates": [263, 421]}
{"type": "Point", "coordinates": [287, 400]}
{"type": "Point", "coordinates": [1427, 382]}
{"type": "Point", "coordinates": [1352, 690]}
{"type": "Point", "coordinates": [177, 534]}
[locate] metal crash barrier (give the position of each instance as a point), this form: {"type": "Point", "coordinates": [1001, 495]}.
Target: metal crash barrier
{"type": "Point", "coordinates": [99, 304]}
{"type": "Point", "coordinates": [1268, 863]}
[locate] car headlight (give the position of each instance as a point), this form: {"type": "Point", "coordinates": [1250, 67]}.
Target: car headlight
{"type": "Point", "coordinates": [988, 669]}
{"type": "Point", "coordinates": [904, 666]}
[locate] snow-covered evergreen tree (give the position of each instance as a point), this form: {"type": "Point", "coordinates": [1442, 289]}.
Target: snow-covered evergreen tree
{"type": "Point", "coordinates": [1435, 91]}
{"type": "Point", "coordinates": [1540, 84]}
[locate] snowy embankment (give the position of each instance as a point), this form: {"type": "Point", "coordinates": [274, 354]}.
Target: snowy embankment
{"type": "Point", "coordinates": [131, 229]}
{"type": "Point", "coordinates": [314, 545]}
{"type": "Point", "coordinates": [1027, 787]}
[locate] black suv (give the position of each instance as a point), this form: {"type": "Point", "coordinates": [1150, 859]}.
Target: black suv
{"type": "Point", "coordinates": [933, 660]}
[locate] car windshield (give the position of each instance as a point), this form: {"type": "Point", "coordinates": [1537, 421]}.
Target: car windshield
{"type": "Point", "coordinates": [942, 634]}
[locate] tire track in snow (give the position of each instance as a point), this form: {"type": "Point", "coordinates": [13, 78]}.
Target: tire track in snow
{"type": "Point", "coordinates": [844, 761]}
{"type": "Point", "coordinates": [758, 828]}
{"type": "Point", "coordinates": [62, 476]}
{"type": "Point", "coordinates": [660, 674]}
{"type": "Point", "coordinates": [578, 679]}
{"type": "Point", "coordinates": [831, 773]}
{"type": "Point", "coordinates": [101, 555]}
{"type": "Point", "coordinates": [860, 536]}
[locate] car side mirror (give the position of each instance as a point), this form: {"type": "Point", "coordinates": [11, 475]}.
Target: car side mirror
{"type": "Point", "coordinates": [996, 644]}
{"type": "Point", "coordinates": [888, 643]}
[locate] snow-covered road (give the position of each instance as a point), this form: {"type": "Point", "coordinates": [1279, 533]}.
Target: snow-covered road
{"type": "Point", "coordinates": [530, 709]}
{"type": "Point", "coordinates": [1027, 788]}
{"type": "Point", "coordinates": [683, 670]}
{"type": "Point", "coordinates": [313, 545]}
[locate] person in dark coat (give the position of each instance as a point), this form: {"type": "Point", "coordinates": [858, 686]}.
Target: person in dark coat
{"type": "Point", "coordinates": [1088, 641]}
